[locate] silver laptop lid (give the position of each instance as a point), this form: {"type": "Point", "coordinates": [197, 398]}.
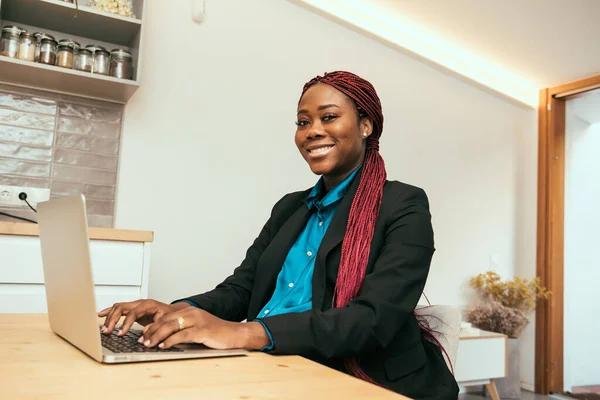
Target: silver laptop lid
{"type": "Point", "coordinates": [68, 279]}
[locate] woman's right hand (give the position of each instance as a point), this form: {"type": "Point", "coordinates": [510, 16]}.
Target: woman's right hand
{"type": "Point", "coordinates": [141, 311]}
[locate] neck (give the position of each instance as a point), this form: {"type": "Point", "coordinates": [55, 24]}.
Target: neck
{"type": "Point", "coordinates": [329, 182]}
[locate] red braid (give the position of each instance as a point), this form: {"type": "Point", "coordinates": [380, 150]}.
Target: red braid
{"type": "Point", "coordinates": [367, 201]}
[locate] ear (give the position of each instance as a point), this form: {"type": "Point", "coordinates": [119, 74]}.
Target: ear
{"type": "Point", "coordinates": [366, 126]}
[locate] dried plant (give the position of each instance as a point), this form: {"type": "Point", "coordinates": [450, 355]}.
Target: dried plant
{"type": "Point", "coordinates": [505, 304]}
{"type": "Point", "coordinates": [519, 294]}
{"type": "Point", "coordinates": [494, 317]}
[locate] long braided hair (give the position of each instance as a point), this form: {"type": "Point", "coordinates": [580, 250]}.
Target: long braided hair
{"type": "Point", "coordinates": [367, 200]}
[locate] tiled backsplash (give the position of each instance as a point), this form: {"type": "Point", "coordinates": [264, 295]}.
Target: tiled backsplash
{"type": "Point", "coordinates": [65, 143]}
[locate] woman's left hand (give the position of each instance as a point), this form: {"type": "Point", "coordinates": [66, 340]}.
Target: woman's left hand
{"type": "Point", "coordinates": [199, 326]}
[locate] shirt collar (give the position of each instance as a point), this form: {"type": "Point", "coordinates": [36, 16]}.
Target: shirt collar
{"type": "Point", "coordinates": [317, 197]}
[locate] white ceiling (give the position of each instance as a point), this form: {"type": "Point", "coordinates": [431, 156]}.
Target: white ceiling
{"type": "Point", "coordinates": [548, 42]}
{"type": "Point", "coordinates": [586, 106]}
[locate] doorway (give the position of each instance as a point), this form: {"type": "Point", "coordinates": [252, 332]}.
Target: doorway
{"type": "Point", "coordinates": [581, 373]}
{"type": "Point", "coordinates": [554, 172]}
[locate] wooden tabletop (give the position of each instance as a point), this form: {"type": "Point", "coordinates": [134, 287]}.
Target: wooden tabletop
{"type": "Point", "coordinates": [122, 235]}
{"type": "Point", "coordinates": [484, 335]}
{"type": "Point", "coordinates": [37, 364]}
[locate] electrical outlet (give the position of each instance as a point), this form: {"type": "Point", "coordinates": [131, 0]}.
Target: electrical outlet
{"type": "Point", "coordinates": [9, 196]}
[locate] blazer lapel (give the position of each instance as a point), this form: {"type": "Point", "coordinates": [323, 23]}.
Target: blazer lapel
{"type": "Point", "coordinates": [333, 237]}
{"type": "Point", "coordinates": [274, 256]}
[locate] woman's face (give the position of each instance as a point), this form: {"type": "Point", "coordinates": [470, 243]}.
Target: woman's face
{"type": "Point", "coordinates": [329, 135]}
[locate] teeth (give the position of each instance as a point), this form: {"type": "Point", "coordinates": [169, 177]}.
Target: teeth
{"type": "Point", "coordinates": [321, 149]}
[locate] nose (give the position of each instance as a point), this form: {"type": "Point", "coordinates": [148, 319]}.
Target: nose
{"type": "Point", "coordinates": [315, 131]}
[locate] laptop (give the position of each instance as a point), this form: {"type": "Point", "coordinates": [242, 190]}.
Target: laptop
{"type": "Point", "coordinates": [70, 291]}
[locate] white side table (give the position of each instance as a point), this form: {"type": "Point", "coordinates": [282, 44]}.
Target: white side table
{"type": "Point", "coordinates": [481, 359]}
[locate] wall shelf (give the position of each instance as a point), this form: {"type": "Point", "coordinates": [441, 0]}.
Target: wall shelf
{"type": "Point", "coordinates": [89, 26]}
{"type": "Point", "coordinates": [61, 80]}
{"type": "Point", "coordinates": [59, 15]}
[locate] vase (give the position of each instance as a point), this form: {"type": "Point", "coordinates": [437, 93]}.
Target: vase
{"type": "Point", "coordinates": [509, 387]}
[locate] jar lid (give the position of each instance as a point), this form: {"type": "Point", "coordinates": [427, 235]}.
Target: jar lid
{"type": "Point", "coordinates": [27, 35]}
{"type": "Point", "coordinates": [13, 29]}
{"type": "Point", "coordinates": [86, 52]}
{"type": "Point", "coordinates": [62, 47]}
{"type": "Point", "coordinates": [48, 40]}
{"type": "Point", "coordinates": [95, 48]}
{"type": "Point", "coordinates": [120, 53]}
{"type": "Point", "coordinates": [46, 36]}
{"type": "Point", "coordinates": [66, 43]}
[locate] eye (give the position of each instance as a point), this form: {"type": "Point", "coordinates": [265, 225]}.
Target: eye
{"type": "Point", "coordinates": [329, 117]}
{"type": "Point", "coordinates": [302, 122]}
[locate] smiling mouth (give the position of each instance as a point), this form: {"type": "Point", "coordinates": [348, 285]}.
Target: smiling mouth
{"type": "Point", "coordinates": [320, 151]}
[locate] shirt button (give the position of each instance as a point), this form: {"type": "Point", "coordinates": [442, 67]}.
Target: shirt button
{"type": "Point", "coordinates": [309, 253]}
{"type": "Point", "coordinates": [291, 284]}
{"type": "Point", "coordinates": [267, 311]}
{"type": "Point", "coordinates": [321, 223]}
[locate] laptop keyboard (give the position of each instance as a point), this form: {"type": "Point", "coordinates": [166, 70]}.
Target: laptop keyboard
{"type": "Point", "coordinates": [128, 343]}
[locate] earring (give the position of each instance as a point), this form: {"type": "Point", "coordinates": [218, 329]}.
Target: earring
{"type": "Point", "coordinates": [365, 134]}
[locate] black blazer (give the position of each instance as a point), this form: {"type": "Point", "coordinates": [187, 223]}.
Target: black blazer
{"type": "Point", "coordinates": [379, 325]}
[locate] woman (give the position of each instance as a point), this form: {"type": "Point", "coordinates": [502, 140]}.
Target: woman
{"type": "Point", "coordinates": [337, 270]}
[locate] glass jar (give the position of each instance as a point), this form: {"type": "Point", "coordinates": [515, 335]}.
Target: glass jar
{"type": "Point", "coordinates": [64, 56]}
{"type": "Point", "coordinates": [76, 48]}
{"type": "Point", "coordinates": [85, 61]}
{"type": "Point", "coordinates": [101, 61]}
{"type": "Point", "coordinates": [121, 64]}
{"type": "Point", "coordinates": [48, 51]}
{"type": "Point", "coordinates": [65, 53]}
{"type": "Point", "coordinates": [38, 38]}
{"type": "Point", "coordinates": [73, 45]}
{"type": "Point", "coordinates": [9, 41]}
{"type": "Point", "coordinates": [92, 48]}
{"type": "Point", "coordinates": [26, 46]}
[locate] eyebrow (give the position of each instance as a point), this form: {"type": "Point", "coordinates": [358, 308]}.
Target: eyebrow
{"type": "Point", "coordinates": [324, 106]}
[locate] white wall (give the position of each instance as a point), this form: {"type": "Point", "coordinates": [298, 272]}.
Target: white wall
{"type": "Point", "coordinates": [582, 268]}
{"type": "Point", "coordinates": [208, 144]}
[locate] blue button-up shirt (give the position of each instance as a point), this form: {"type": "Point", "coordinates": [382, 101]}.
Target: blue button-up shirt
{"type": "Point", "coordinates": [293, 291]}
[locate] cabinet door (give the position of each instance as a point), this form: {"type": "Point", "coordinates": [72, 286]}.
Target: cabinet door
{"type": "Point", "coordinates": [116, 268]}
{"type": "Point", "coordinates": [31, 298]}
{"type": "Point", "coordinates": [481, 359]}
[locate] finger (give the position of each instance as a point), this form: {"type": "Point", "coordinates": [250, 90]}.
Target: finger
{"type": "Point", "coordinates": [168, 318]}
{"type": "Point", "coordinates": [152, 328]}
{"type": "Point", "coordinates": [158, 322]}
{"type": "Point", "coordinates": [185, 335]}
{"type": "Point", "coordinates": [104, 312]}
{"type": "Point", "coordinates": [134, 315]}
{"type": "Point", "coordinates": [159, 314]}
{"type": "Point", "coordinates": [141, 339]}
{"type": "Point", "coordinates": [158, 335]}
{"type": "Point", "coordinates": [113, 317]}
{"type": "Point", "coordinates": [108, 318]}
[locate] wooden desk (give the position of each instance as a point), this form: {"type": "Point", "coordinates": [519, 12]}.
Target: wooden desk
{"type": "Point", "coordinates": [37, 364]}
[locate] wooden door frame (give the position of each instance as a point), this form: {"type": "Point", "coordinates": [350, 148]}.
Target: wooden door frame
{"type": "Point", "coordinates": [549, 330]}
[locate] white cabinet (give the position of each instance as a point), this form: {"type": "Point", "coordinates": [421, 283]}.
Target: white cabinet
{"type": "Point", "coordinates": [481, 359]}
{"type": "Point", "coordinates": [120, 271]}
